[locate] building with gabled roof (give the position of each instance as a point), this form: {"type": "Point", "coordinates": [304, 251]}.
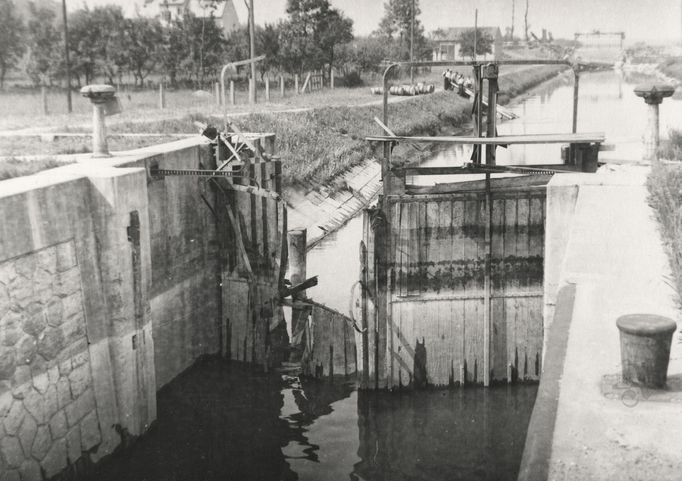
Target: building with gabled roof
{"type": "Point", "coordinates": [223, 11]}
{"type": "Point", "coordinates": [447, 43]}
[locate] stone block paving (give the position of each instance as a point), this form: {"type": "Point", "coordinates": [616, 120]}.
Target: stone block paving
{"type": "Point", "coordinates": [48, 416]}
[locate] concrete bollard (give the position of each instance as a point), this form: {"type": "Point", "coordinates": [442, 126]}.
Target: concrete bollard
{"type": "Point", "coordinates": [99, 95]}
{"type": "Point", "coordinates": [653, 95]}
{"type": "Point", "coordinates": [645, 348]}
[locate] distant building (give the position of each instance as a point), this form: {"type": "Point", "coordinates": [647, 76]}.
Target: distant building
{"type": "Point", "coordinates": [447, 43]}
{"type": "Point", "coordinates": [223, 11]}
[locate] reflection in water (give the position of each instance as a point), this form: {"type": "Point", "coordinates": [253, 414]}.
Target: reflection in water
{"type": "Point", "coordinates": [221, 421]}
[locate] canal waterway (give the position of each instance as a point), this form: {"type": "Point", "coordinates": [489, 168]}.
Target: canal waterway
{"type": "Point", "coordinates": [221, 420]}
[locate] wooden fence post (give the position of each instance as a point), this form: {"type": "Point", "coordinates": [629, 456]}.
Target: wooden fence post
{"type": "Point", "coordinates": [43, 98]}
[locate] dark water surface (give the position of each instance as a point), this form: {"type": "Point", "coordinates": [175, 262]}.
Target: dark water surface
{"type": "Point", "coordinates": [222, 421]}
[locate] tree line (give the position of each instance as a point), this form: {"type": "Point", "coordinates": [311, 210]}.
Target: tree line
{"type": "Point", "coordinates": [190, 50]}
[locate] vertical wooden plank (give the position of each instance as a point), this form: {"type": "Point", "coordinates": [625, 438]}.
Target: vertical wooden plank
{"type": "Point", "coordinates": [510, 242]}
{"type": "Point", "coordinates": [473, 347]}
{"type": "Point", "coordinates": [265, 220]}
{"type": "Point", "coordinates": [522, 222]}
{"type": "Point", "coordinates": [499, 322]}
{"type": "Point", "coordinates": [413, 249]}
{"type": "Point", "coordinates": [513, 354]}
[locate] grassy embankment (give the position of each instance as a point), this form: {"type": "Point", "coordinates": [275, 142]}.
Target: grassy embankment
{"type": "Point", "coordinates": [318, 145]}
{"type": "Point", "coordinates": [665, 196]}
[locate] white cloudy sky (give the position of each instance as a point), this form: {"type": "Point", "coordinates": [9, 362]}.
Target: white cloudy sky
{"type": "Point", "coordinates": [640, 19]}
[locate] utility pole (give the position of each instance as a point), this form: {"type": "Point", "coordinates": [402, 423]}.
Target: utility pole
{"type": "Point", "coordinates": [412, 45]}
{"type": "Point", "coordinates": [475, 33]}
{"type": "Point", "coordinates": [525, 21]}
{"type": "Point", "coordinates": [66, 59]}
{"type": "Point", "coordinates": [252, 40]}
{"type": "Point", "coordinates": [512, 25]}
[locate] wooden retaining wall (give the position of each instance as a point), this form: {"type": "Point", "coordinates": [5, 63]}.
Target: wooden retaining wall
{"type": "Point", "coordinates": [331, 349]}
{"type": "Point", "coordinates": [252, 237]}
{"type": "Point", "coordinates": [432, 332]}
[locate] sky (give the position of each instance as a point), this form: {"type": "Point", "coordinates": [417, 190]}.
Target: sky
{"type": "Point", "coordinates": [639, 19]}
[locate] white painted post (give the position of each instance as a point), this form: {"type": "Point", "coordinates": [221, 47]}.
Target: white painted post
{"type": "Point", "coordinates": [43, 99]}
{"type": "Point", "coordinates": [162, 97]}
{"type": "Point", "coordinates": [232, 100]}
{"type": "Point", "coordinates": [296, 84]}
{"type": "Point", "coordinates": [331, 80]}
{"type": "Point", "coordinates": [281, 86]}
{"type": "Point", "coordinates": [267, 89]}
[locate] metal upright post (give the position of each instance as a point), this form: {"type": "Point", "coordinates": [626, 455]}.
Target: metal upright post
{"type": "Point", "coordinates": [576, 88]}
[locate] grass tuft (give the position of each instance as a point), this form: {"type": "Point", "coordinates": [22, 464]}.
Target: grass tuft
{"type": "Point", "coordinates": [665, 197]}
{"type": "Point", "coordinates": [671, 149]}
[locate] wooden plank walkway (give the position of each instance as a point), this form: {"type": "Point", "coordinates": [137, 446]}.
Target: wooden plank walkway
{"type": "Point", "coordinates": [582, 138]}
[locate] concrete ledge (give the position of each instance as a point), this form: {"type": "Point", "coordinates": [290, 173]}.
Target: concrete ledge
{"type": "Point", "coordinates": [610, 248]}
{"type": "Point", "coordinates": [538, 448]}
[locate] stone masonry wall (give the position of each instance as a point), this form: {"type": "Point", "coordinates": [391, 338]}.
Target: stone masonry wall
{"type": "Point", "coordinates": [70, 377]}
{"type": "Point", "coordinates": [47, 401]}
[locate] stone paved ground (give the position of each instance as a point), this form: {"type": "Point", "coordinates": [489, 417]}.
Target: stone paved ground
{"type": "Point", "coordinates": [617, 260]}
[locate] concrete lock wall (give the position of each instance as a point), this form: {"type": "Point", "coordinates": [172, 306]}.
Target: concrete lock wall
{"type": "Point", "coordinates": [108, 290]}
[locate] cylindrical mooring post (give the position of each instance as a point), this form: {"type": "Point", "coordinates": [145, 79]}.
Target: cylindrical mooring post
{"type": "Point", "coordinates": [162, 97]}
{"type": "Point", "coordinates": [645, 348]}
{"type": "Point", "coordinates": [99, 95]}
{"type": "Point", "coordinates": [297, 274]}
{"type": "Point", "coordinates": [653, 95]}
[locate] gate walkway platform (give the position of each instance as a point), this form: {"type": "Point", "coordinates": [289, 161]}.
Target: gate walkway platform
{"type": "Point", "coordinates": [604, 258]}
